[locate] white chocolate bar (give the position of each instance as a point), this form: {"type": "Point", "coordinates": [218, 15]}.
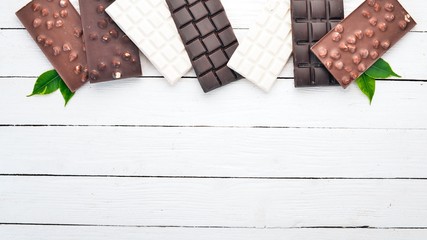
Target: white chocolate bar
{"type": "Point", "coordinates": [263, 53]}
{"type": "Point", "coordinates": [148, 23]}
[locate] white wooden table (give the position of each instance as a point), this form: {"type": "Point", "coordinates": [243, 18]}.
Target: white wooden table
{"type": "Point", "coordinates": [139, 159]}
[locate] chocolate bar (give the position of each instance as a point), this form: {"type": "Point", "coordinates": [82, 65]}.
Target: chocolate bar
{"type": "Point", "coordinates": [208, 38]}
{"type": "Point", "coordinates": [111, 55]}
{"type": "Point", "coordinates": [311, 20]}
{"type": "Point", "coordinates": [267, 47]}
{"type": "Point", "coordinates": [57, 29]}
{"type": "Point", "coordinates": [362, 38]}
{"type": "Point", "coordinates": [150, 26]}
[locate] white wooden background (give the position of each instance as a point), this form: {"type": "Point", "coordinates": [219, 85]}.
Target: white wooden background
{"type": "Point", "coordinates": [139, 159]}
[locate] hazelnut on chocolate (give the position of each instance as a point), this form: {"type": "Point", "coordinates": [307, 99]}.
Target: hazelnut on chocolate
{"type": "Point", "coordinates": [336, 37]}
{"type": "Point", "coordinates": [369, 33]}
{"type": "Point", "coordinates": [323, 52]}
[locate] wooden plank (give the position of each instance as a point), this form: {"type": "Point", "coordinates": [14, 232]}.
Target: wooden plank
{"type": "Point", "coordinates": [154, 102]}
{"type": "Point", "coordinates": [213, 202]}
{"type": "Point", "coordinates": [130, 233]}
{"type": "Point", "coordinates": [238, 18]}
{"type": "Point", "coordinates": [31, 62]}
{"type": "Point", "coordinates": [285, 153]}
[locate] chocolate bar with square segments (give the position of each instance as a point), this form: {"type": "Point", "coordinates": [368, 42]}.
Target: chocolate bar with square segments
{"type": "Point", "coordinates": [57, 29]}
{"type": "Point", "coordinates": [111, 55]}
{"type": "Point", "coordinates": [362, 38]}
{"type": "Point", "coordinates": [208, 38]}
{"type": "Point", "coordinates": [311, 20]}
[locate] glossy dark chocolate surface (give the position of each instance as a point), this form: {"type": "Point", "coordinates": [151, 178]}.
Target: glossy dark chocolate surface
{"type": "Point", "coordinates": [311, 20]}
{"type": "Point", "coordinates": [56, 27]}
{"type": "Point", "coordinates": [208, 38]}
{"type": "Point", "coordinates": [362, 38]}
{"type": "Point", "coordinates": [111, 55]}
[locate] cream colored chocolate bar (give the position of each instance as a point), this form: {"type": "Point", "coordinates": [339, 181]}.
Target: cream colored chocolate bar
{"type": "Point", "coordinates": [264, 52]}
{"type": "Point", "coordinates": [150, 26]}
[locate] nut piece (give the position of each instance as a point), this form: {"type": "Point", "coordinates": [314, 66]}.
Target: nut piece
{"type": "Point", "coordinates": [402, 24]}
{"type": "Point", "coordinates": [59, 23]}
{"type": "Point", "coordinates": [382, 26]}
{"type": "Point", "coordinates": [364, 53]}
{"type": "Point", "coordinates": [102, 66]}
{"type": "Point", "coordinates": [354, 75]}
{"type": "Point", "coordinates": [94, 75]}
{"type": "Point", "coordinates": [114, 33]}
{"type": "Point", "coordinates": [49, 24]}
{"type": "Point", "coordinates": [371, 2]}
{"type": "Point", "coordinates": [117, 74]}
{"type": "Point", "coordinates": [100, 9]}
{"type": "Point", "coordinates": [351, 39]}
{"type": "Point", "coordinates": [375, 43]}
{"type": "Point", "coordinates": [78, 69]}
{"type": "Point", "coordinates": [37, 22]}
{"type": "Point", "coordinates": [41, 38]}
{"type": "Point", "coordinates": [385, 44]}
{"type": "Point", "coordinates": [374, 54]}
{"type": "Point", "coordinates": [56, 51]}
{"type": "Point", "coordinates": [369, 33]}
{"type": "Point", "coordinates": [377, 7]}
{"type": "Point", "coordinates": [343, 47]}
{"type": "Point", "coordinates": [352, 48]}
{"type": "Point", "coordinates": [106, 38]}
{"type": "Point", "coordinates": [126, 56]}
{"type": "Point", "coordinates": [93, 36]}
{"type": "Point", "coordinates": [373, 21]}
{"type": "Point", "coordinates": [336, 37]}
{"type": "Point", "coordinates": [63, 13]}
{"type": "Point", "coordinates": [361, 67]}
{"type": "Point", "coordinates": [345, 80]}
{"type": "Point", "coordinates": [359, 34]}
{"type": "Point", "coordinates": [339, 28]}
{"type": "Point", "coordinates": [323, 52]}
{"type": "Point", "coordinates": [339, 65]}
{"type": "Point", "coordinates": [48, 42]}
{"type": "Point", "coordinates": [328, 64]}
{"type": "Point", "coordinates": [66, 47]}
{"type": "Point", "coordinates": [389, 7]}
{"type": "Point", "coordinates": [366, 14]}
{"type": "Point", "coordinates": [389, 17]}
{"type": "Point", "coordinates": [78, 32]}
{"type": "Point", "coordinates": [36, 7]}
{"type": "Point", "coordinates": [103, 24]}
{"type": "Point", "coordinates": [116, 63]}
{"type": "Point", "coordinates": [348, 69]}
{"type": "Point", "coordinates": [73, 56]}
{"type": "Point", "coordinates": [356, 59]}
{"type": "Point", "coordinates": [45, 12]}
{"type": "Point", "coordinates": [335, 54]}
{"type": "Point", "coordinates": [63, 3]}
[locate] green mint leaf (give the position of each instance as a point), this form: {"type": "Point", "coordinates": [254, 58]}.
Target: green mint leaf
{"type": "Point", "coordinates": [367, 85]}
{"type": "Point", "coordinates": [381, 69]}
{"type": "Point", "coordinates": [47, 83]}
{"type": "Point", "coordinates": [65, 91]}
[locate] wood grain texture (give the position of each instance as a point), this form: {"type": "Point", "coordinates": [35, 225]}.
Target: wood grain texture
{"type": "Point", "coordinates": [203, 152]}
{"type": "Point", "coordinates": [213, 202]}
{"type": "Point", "coordinates": [154, 102]}
{"type": "Point", "coordinates": [139, 159]}
{"type": "Point", "coordinates": [130, 233]}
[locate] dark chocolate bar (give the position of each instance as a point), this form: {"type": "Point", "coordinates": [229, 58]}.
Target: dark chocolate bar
{"type": "Point", "coordinates": [110, 53]}
{"type": "Point", "coordinates": [362, 38]}
{"type": "Point", "coordinates": [56, 27]}
{"type": "Point", "coordinates": [311, 20]}
{"type": "Point", "coordinates": [208, 38]}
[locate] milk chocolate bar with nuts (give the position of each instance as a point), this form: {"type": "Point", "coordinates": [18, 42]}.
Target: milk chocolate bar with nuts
{"type": "Point", "coordinates": [111, 55]}
{"type": "Point", "coordinates": [362, 38]}
{"type": "Point", "coordinates": [56, 27]}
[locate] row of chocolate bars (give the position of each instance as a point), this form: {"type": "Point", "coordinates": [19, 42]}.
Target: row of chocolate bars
{"type": "Point", "coordinates": [105, 42]}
